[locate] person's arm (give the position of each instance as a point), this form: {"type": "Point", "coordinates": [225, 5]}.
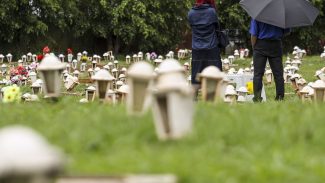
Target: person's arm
{"type": "Point", "coordinates": [253, 41]}
{"type": "Point", "coordinates": [254, 32]}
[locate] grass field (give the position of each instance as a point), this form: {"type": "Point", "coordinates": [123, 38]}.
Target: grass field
{"type": "Point", "coordinates": [272, 142]}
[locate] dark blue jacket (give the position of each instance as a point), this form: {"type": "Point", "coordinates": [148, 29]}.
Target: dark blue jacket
{"type": "Point", "coordinates": [204, 22]}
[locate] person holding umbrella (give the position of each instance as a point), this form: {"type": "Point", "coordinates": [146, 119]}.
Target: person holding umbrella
{"type": "Point", "coordinates": [271, 21]}
{"type": "Point", "coordinates": [267, 45]}
{"type": "Point", "coordinates": [205, 51]}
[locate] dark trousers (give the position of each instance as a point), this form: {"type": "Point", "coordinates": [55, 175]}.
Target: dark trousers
{"type": "Point", "coordinates": [204, 58]}
{"type": "Point", "coordinates": [270, 50]}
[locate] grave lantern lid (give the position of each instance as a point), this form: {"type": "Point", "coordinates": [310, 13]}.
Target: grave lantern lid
{"type": "Point", "coordinates": [306, 89]}
{"type": "Point", "coordinates": [319, 72]}
{"type": "Point", "coordinates": [61, 56]}
{"type": "Point", "coordinates": [36, 84]}
{"type": "Point", "coordinates": [119, 83]}
{"type": "Point", "coordinates": [114, 70]}
{"type": "Point", "coordinates": [240, 71]}
{"type": "Point", "coordinates": [2, 56]}
{"type": "Point", "coordinates": [26, 95]}
{"type": "Point", "coordinates": [226, 61]}
{"type": "Point", "coordinates": [268, 71]}
{"type": "Point", "coordinates": [230, 87]}
{"type": "Point", "coordinates": [25, 152]}
{"type": "Point", "coordinates": [51, 63]}
{"type": "Point", "coordinates": [296, 76]}
{"type": "Point", "coordinates": [115, 62]}
{"type": "Point", "coordinates": [186, 64]}
{"type": "Point", "coordinates": [91, 88]}
{"type": "Point", "coordinates": [158, 60]}
{"type": "Point", "coordinates": [123, 69]}
{"type": "Point", "coordinates": [84, 100]}
{"type": "Point", "coordinates": [106, 67]}
{"type": "Point", "coordinates": [128, 56]}
{"type": "Point", "coordinates": [141, 70]}
{"type": "Point", "coordinates": [319, 84]}
{"type": "Point", "coordinates": [121, 76]}
{"type": "Point", "coordinates": [76, 72]}
{"type": "Point", "coordinates": [103, 75]}
{"type": "Point", "coordinates": [230, 91]}
{"type": "Point", "coordinates": [170, 65]}
{"type": "Point", "coordinates": [110, 64]}
{"type": "Point", "coordinates": [311, 91]}
{"type": "Point", "coordinates": [123, 89]}
{"type": "Point", "coordinates": [301, 81]}
{"type": "Point", "coordinates": [212, 72]}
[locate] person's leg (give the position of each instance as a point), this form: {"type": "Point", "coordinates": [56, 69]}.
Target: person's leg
{"type": "Point", "coordinates": [277, 69]}
{"type": "Point", "coordinates": [196, 67]}
{"type": "Point", "coordinates": [259, 69]}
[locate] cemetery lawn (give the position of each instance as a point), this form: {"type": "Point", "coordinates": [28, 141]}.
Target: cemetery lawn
{"type": "Point", "coordinates": [272, 142]}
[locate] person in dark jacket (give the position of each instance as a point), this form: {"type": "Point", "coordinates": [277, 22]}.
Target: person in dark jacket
{"type": "Point", "coordinates": [267, 46]}
{"type": "Point", "coordinates": [205, 52]}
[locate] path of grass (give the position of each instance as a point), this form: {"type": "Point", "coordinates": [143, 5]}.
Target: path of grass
{"type": "Point", "coordinates": [252, 143]}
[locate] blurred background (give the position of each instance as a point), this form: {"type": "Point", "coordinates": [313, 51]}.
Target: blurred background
{"type": "Point", "coordinates": [127, 26]}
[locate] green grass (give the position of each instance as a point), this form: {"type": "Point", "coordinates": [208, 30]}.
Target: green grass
{"type": "Point", "coordinates": [250, 143]}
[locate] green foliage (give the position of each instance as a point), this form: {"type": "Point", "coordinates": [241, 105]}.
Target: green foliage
{"type": "Point", "coordinates": [120, 25]}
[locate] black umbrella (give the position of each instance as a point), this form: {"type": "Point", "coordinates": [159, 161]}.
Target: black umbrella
{"type": "Point", "coordinates": [281, 13]}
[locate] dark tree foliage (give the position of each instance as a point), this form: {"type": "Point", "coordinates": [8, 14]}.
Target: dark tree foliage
{"type": "Point", "coordinates": [122, 25]}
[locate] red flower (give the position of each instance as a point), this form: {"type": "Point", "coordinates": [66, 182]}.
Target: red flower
{"type": "Point", "coordinates": [40, 57]}
{"type": "Point", "coordinates": [21, 70]}
{"type": "Point", "coordinates": [69, 50]}
{"type": "Point", "coordinates": [46, 50]}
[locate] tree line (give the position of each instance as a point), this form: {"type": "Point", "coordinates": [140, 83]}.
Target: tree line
{"type": "Point", "coordinates": [121, 25]}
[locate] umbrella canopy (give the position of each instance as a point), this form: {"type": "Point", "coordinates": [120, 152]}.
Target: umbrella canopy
{"type": "Point", "coordinates": [281, 13]}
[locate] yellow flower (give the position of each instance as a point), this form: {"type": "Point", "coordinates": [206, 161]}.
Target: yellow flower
{"type": "Point", "coordinates": [8, 97]}
{"type": "Point", "coordinates": [250, 88]}
{"type": "Point", "coordinates": [11, 94]}
{"type": "Point", "coordinates": [15, 89]}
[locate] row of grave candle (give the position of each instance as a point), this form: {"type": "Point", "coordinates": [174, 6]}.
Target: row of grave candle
{"type": "Point", "coordinates": [108, 56]}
